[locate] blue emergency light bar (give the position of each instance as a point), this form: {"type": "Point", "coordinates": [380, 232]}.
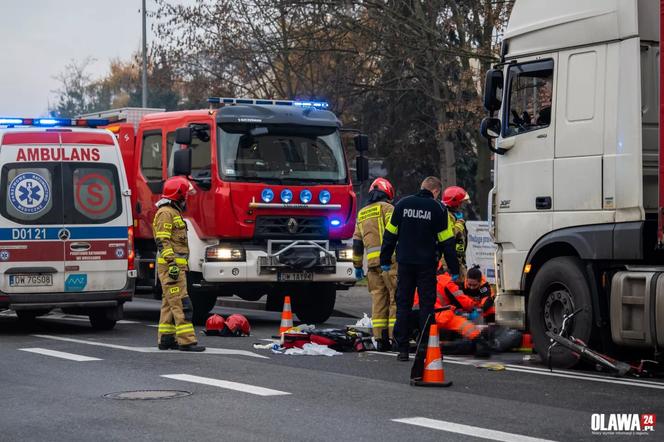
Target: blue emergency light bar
{"type": "Point", "coordinates": [52, 122]}
{"type": "Point", "coordinates": [259, 101]}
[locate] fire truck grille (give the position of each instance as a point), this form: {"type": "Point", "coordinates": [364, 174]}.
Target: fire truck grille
{"type": "Point", "coordinates": [291, 227]}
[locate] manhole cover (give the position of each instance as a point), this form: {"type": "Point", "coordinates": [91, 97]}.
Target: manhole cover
{"type": "Point", "coordinates": [147, 395]}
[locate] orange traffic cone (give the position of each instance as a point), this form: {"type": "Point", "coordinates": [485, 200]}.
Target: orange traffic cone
{"type": "Point", "coordinates": [286, 317]}
{"type": "Point", "coordinates": [433, 374]}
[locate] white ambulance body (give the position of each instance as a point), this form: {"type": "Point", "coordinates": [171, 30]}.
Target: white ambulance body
{"type": "Point", "coordinates": [66, 239]}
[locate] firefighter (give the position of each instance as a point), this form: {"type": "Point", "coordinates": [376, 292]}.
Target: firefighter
{"type": "Point", "coordinates": [420, 232]}
{"type": "Point", "coordinates": [453, 199]}
{"type": "Point", "coordinates": [176, 330]}
{"type": "Point", "coordinates": [371, 222]}
{"type": "Point", "coordinates": [476, 286]}
{"type": "Point", "coordinates": [455, 305]}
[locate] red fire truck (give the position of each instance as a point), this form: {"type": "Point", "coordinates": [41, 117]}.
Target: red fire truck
{"type": "Point", "coordinates": [274, 206]}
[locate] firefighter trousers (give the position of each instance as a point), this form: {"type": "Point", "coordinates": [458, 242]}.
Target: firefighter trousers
{"type": "Point", "coordinates": [448, 320]}
{"type": "Point", "coordinates": [383, 305]}
{"type": "Point", "coordinates": [176, 308]}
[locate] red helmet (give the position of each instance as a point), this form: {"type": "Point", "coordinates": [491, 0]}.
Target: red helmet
{"type": "Point", "coordinates": [214, 325]}
{"type": "Point", "coordinates": [177, 188]}
{"type": "Point", "coordinates": [238, 325]}
{"type": "Point", "coordinates": [384, 186]}
{"type": "Point", "coordinates": [453, 196]}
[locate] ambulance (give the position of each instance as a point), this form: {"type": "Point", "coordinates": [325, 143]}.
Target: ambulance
{"type": "Point", "coordinates": [66, 235]}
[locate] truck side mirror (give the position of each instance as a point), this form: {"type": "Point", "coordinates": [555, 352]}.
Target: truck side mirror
{"type": "Point", "coordinates": [490, 128]}
{"type": "Point", "coordinates": [493, 90]}
{"type": "Point", "coordinates": [362, 168]}
{"type": "Point", "coordinates": [183, 135]}
{"type": "Point", "coordinates": [182, 161]}
{"type": "Point", "coordinates": [361, 142]}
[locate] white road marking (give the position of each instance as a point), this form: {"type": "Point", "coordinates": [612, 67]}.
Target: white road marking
{"type": "Point", "coordinates": [246, 388]}
{"type": "Point", "coordinates": [483, 433]}
{"type": "Point", "coordinates": [60, 354]}
{"type": "Point", "coordinates": [545, 372]}
{"type": "Point", "coordinates": [208, 351]}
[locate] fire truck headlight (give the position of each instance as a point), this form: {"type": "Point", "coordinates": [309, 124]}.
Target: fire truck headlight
{"type": "Point", "coordinates": [345, 254]}
{"type": "Point", "coordinates": [324, 196]}
{"type": "Point", "coordinates": [222, 253]}
{"type": "Point", "coordinates": [267, 195]}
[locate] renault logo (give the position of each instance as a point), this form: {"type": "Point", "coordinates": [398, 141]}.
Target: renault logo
{"type": "Point", "coordinates": [63, 234]}
{"type": "Point", "coordinates": [292, 226]}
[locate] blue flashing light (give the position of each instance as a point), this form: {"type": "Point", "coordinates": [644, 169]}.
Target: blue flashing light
{"type": "Point", "coordinates": [286, 196]}
{"type": "Point", "coordinates": [324, 196]}
{"type": "Point", "coordinates": [267, 195]}
{"type": "Point", "coordinates": [335, 222]}
{"type": "Point", "coordinates": [267, 101]}
{"type": "Point", "coordinates": [305, 196]}
{"type": "Point", "coordinates": [50, 122]}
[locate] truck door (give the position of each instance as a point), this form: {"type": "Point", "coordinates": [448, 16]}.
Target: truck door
{"type": "Point", "coordinates": [96, 251]}
{"type": "Point", "coordinates": [524, 173]}
{"type": "Point", "coordinates": [31, 218]}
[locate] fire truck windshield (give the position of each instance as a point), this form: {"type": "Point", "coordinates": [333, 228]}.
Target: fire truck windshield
{"type": "Point", "coordinates": [281, 154]}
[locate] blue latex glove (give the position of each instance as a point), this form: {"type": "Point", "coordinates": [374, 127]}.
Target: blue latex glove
{"type": "Point", "coordinates": [455, 277]}
{"type": "Point", "coordinates": [359, 274]}
{"type": "Point", "coordinates": [385, 268]}
{"type": "Point", "coordinates": [458, 215]}
{"type": "Point", "coordinates": [472, 316]}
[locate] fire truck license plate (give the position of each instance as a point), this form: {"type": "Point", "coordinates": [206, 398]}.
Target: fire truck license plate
{"type": "Point", "coordinates": [34, 280]}
{"type": "Point", "coordinates": [295, 276]}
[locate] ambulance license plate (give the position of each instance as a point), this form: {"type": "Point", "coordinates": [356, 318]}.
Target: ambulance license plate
{"type": "Point", "coordinates": [32, 280]}
{"type": "Point", "coordinates": [295, 276]}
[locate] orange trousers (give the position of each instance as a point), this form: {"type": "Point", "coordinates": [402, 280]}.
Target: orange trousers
{"type": "Point", "coordinates": [448, 320]}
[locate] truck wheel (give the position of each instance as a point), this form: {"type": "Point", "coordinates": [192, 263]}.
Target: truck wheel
{"type": "Point", "coordinates": [314, 304]}
{"type": "Point", "coordinates": [559, 288]}
{"type": "Point", "coordinates": [99, 320]}
{"type": "Point", "coordinates": [275, 302]}
{"type": "Point", "coordinates": [202, 299]}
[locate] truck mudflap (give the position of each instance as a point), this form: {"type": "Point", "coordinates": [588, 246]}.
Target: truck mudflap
{"type": "Point", "coordinates": [283, 261]}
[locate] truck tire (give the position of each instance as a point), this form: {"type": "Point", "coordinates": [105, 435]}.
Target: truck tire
{"type": "Point", "coordinates": [560, 287]}
{"type": "Point", "coordinates": [315, 303]}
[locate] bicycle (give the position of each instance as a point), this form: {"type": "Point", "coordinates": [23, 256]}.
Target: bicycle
{"type": "Point", "coordinates": [582, 351]}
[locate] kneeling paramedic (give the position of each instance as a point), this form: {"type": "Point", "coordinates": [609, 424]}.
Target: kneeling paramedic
{"type": "Point", "coordinates": [371, 222]}
{"type": "Point", "coordinates": [176, 330]}
{"type": "Point", "coordinates": [420, 232]}
{"type": "Point", "coordinates": [451, 305]}
{"type": "Point", "coordinates": [476, 286]}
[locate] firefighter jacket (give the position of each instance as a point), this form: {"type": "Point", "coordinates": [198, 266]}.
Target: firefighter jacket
{"type": "Point", "coordinates": [460, 235]}
{"type": "Point", "coordinates": [369, 229]}
{"type": "Point", "coordinates": [170, 233]}
{"type": "Point", "coordinates": [420, 231]}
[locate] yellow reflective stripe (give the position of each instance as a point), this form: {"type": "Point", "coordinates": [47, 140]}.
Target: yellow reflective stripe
{"type": "Point", "coordinates": [167, 252]}
{"type": "Point", "coordinates": [181, 261]}
{"type": "Point", "coordinates": [392, 228]}
{"type": "Point", "coordinates": [163, 235]}
{"type": "Point", "coordinates": [166, 328]}
{"type": "Point", "coordinates": [392, 321]}
{"type": "Point", "coordinates": [446, 234]}
{"type": "Point", "coordinates": [168, 226]}
{"type": "Point", "coordinates": [373, 255]}
{"type": "Point", "coordinates": [185, 332]}
{"type": "Point", "coordinates": [185, 325]}
{"type": "Point", "coordinates": [379, 322]}
{"type": "Point", "coordinates": [381, 228]}
{"type": "Point", "coordinates": [174, 290]}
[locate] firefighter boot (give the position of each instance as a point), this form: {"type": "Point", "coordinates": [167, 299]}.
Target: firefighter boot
{"type": "Point", "coordinates": [384, 343]}
{"type": "Point", "coordinates": [482, 348]}
{"type": "Point", "coordinates": [191, 347]}
{"type": "Point", "coordinates": [167, 342]}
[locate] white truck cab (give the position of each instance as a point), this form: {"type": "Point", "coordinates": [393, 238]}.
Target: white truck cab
{"type": "Point", "coordinates": [65, 223]}
{"type": "Point", "coordinates": [574, 119]}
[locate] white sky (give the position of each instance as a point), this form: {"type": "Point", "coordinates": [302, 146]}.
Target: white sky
{"type": "Point", "coordinates": [39, 37]}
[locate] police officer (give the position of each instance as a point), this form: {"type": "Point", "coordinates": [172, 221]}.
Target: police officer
{"type": "Point", "coordinates": [420, 231]}
{"type": "Point", "coordinates": [176, 330]}
{"type": "Point", "coordinates": [371, 222]}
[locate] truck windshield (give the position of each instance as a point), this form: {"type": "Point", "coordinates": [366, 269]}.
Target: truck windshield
{"type": "Point", "coordinates": [283, 154]}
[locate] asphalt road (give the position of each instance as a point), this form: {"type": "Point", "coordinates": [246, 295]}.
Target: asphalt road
{"type": "Point", "coordinates": [54, 376]}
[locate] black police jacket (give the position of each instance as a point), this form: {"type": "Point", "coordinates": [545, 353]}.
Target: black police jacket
{"type": "Point", "coordinates": [420, 232]}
